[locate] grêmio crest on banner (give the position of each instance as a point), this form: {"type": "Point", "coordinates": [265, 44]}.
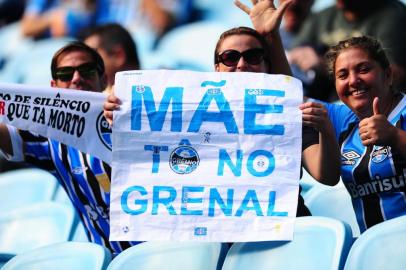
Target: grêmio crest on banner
{"type": "Point", "coordinates": [205, 156]}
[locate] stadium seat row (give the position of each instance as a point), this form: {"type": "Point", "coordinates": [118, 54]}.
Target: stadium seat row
{"type": "Point", "coordinates": [39, 229]}
{"type": "Point", "coordinates": [319, 243]}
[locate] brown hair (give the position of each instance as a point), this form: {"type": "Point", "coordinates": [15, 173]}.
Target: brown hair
{"type": "Point", "coordinates": [368, 44]}
{"type": "Point", "coordinates": [77, 46]}
{"type": "Point", "coordinates": [111, 35]}
{"type": "Point", "coordinates": [242, 30]}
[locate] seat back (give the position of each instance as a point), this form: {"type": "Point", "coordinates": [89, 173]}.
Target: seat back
{"type": "Point", "coordinates": [319, 243]}
{"type": "Point", "coordinates": [37, 66]}
{"type": "Point", "coordinates": [23, 187]}
{"type": "Point", "coordinates": [32, 63]}
{"type": "Point", "coordinates": [189, 47]}
{"type": "Point", "coordinates": [34, 226]}
{"type": "Point", "coordinates": [169, 256]}
{"type": "Point", "coordinates": [62, 256]}
{"type": "Point", "coordinates": [334, 202]}
{"type": "Point", "coordinates": [382, 246]}
{"type": "Point", "coordinates": [78, 233]}
{"type": "Point", "coordinates": [226, 11]}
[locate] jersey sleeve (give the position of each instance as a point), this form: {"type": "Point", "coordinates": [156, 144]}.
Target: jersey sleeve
{"type": "Point", "coordinates": [17, 145]}
{"type": "Point", "coordinates": [310, 136]}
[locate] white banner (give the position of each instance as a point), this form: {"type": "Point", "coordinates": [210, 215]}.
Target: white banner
{"type": "Point", "coordinates": [205, 156]}
{"type": "Point", "coordinates": [70, 116]}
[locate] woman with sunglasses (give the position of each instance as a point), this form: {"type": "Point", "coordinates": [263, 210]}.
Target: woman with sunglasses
{"type": "Point", "coordinates": [244, 49]}
{"type": "Point", "coordinates": [371, 128]}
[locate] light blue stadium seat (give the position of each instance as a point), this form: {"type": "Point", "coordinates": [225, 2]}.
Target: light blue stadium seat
{"type": "Point", "coordinates": [382, 246]}
{"type": "Point", "coordinates": [24, 187]}
{"type": "Point", "coordinates": [33, 64]}
{"type": "Point", "coordinates": [319, 243]}
{"type": "Point", "coordinates": [189, 47]}
{"type": "Point", "coordinates": [334, 202]}
{"type": "Point", "coordinates": [38, 68]}
{"type": "Point", "coordinates": [36, 225]}
{"type": "Point", "coordinates": [62, 256]}
{"type": "Point", "coordinates": [12, 42]}
{"type": "Point", "coordinates": [225, 11]}
{"type": "Point", "coordinates": [79, 231]}
{"type": "Point", "coordinates": [169, 256]}
{"type": "Point", "coordinates": [307, 182]}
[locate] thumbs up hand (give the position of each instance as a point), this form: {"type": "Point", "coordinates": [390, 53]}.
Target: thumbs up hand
{"type": "Point", "coordinates": [376, 130]}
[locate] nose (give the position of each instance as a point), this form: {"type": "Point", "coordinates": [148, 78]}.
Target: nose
{"type": "Point", "coordinates": [76, 77]}
{"type": "Point", "coordinates": [242, 65]}
{"type": "Point", "coordinates": [353, 79]}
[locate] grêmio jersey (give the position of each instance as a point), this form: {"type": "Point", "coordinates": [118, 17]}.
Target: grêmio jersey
{"type": "Point", "coordinates": [375, 176]}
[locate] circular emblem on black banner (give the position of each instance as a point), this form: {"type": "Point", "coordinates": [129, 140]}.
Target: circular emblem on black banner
{"type": "Point", "coordinates": [104, 130]}
{"type": "Point", "coordinates": [184, 160]}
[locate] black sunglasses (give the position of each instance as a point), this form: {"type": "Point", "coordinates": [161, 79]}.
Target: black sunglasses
{"type": "Point", "coordinates": [86, 71]}
{"type": "Point", "coordinates": [230, 58]}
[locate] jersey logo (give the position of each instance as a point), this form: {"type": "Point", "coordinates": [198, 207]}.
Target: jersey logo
{"type": "Point", "coordinates": [104, 130]}
{"type": "Point", "coordinates": [380, 153]}
{"type": "Point", "coordinates": [79, 170]}
{"type": "Point", "coordinates": [349, 158]}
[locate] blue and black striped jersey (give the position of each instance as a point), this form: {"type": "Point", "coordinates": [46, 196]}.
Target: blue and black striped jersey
{"type": "Point", "coordinates": [86, 180]}
{"type": "Point", "coordinates": [375, 176]}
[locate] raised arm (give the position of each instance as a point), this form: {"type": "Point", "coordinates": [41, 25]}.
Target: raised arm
{"type": "Point", "coordinates": [321, 160]}
{"type": "Point", "coordinates": [266, 19]}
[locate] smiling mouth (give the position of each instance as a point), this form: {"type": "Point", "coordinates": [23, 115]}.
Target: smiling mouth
{"type": "Point", "coordinates": [357, 92]}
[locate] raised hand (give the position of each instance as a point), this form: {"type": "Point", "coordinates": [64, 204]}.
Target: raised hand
{"type": "Point", "coordinates": [376, 130]}
{"type": "Point", "coordinates": [111, 104]}
{"type": "Point", "coordinates": [315, 115]}
{"type": "Point", "coordinates": [265, 17]}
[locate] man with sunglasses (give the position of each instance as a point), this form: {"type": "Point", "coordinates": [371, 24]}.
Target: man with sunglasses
{"type": "Point", "coordinates": [76, 67]}
{"type": "Point", "coordinates": [86, 179]}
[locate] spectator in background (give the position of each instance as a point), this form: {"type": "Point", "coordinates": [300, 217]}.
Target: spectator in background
{"type": "Point", "coordinates": [314, 84]}
{"type": "Point", "coordinates": [293, 20]}
{"type": "Point", "coordinates": [117, 48]}
{"type": "Point", "coordinates": [86, 179]}
{"type": "Point", "coordinates": [152, 18]}
{"type": "Point", "coordinates": [57, 18]}
{"type": "Point", "coordinates": [380, 19]}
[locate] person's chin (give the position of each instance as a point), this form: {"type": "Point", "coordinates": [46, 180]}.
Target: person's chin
{"type": "Point", "coordinates": [81, 87]}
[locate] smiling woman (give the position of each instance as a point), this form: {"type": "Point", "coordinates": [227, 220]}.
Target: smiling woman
{"type": "Point", "coordinates": [371, 130]}
{"type": "Point", "coordinates": [361, 72]}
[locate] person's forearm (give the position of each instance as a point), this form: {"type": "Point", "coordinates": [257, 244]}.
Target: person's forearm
{"type": "Point", "coordinates": [33, 26]}
{"type": "Point", "coordinates": [5, 141]}
{"type": "Point", "coordinates": [329, 159]}
{"type": "Point", "coordinates": [279, 64]}
{"type": "Point", "coordinates": [322, 160]}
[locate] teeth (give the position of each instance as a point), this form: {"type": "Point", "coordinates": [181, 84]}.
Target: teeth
{"type": "Point", "coordinates": [359, 91]}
